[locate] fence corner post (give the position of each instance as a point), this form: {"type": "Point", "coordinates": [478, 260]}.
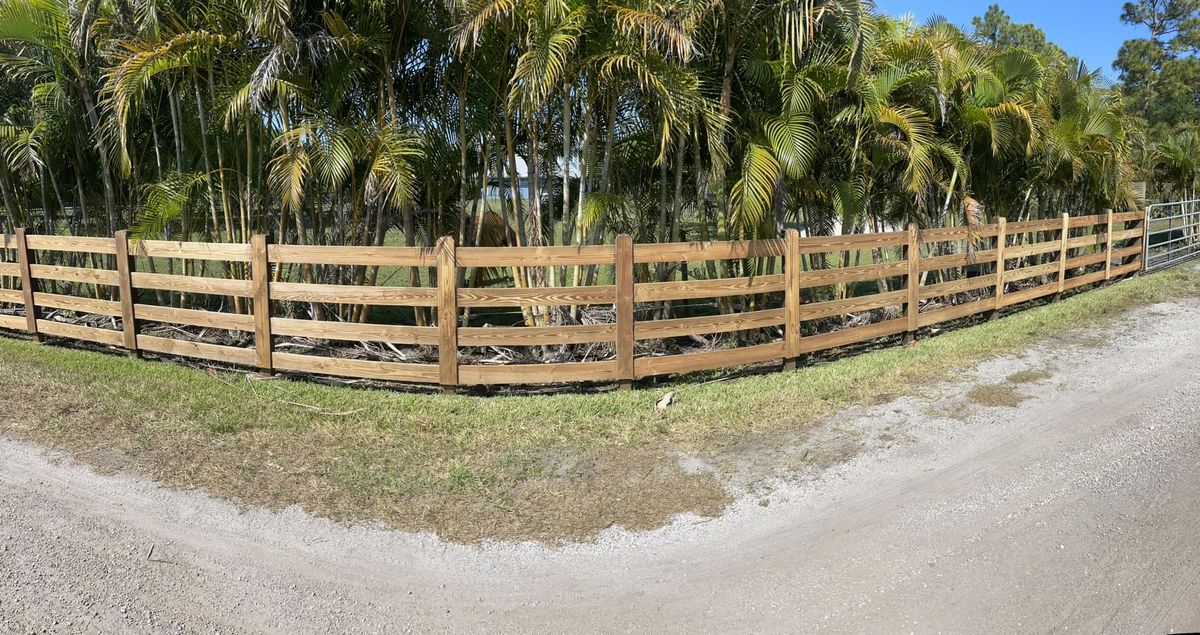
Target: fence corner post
{"type": "Point", "coordinates": [125, 268]}
{"type": "Point", "coordinates": [624, 307]}
{"type": "Point", "coordinates": [913, 306]}
{"type": "Point", "coordinates": [1001, 242]}
{"type": "Point", "coordinates": [24, 261]}
{"type": "Point", "coordinates": [447, 316]}
{"type": "Point", "coordinates": [791, 300]}
{"type": "Point", "coordinates": [1108, 246]}
{"type": "Point", "coordinates": [260, 276]}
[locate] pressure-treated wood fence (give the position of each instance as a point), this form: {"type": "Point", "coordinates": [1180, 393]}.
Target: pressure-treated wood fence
{"type": "Point", "coordinates": [1006, 264]}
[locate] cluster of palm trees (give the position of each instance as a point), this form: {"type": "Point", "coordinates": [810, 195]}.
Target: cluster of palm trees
{"type": "Point", "coordinates": [537, 122]}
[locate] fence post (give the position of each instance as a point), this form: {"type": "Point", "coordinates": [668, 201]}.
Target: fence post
{"type": "Point", "coordinates": [24, 258]}
{"type": "Point", "coordinates": [791, 299]}
{"type": "Point", "coordinates": [1064, 235]}
{"type": "Point", "coordinates": [1001, 241]}
{"type": "Point", "coordinates": [260, 276]}
{"type": "Point", "coordinates": [913, 306]}
{"type": "Point", "coordinates": [447, 284]}
{"type": "Point", "coordinates": [1108, 246]}
{"type": "Point", "coordinates": [125, 284]}
{"type": "Point", "coordinates": [624, 306]}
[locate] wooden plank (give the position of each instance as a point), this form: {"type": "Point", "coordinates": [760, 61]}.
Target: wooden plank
{"type": "Point", "coordinates": [791, 299]}
{"type": "Point", "coordinates": [1025, 273]}
{"type": "Point", "coordinates": [929, 318]}
{"type": "Point", "coordinates": [447, 315]}
{"type": "Point", "coordinates": [846, 337]}
{"type": "Point", "coordinates": [827, 277]}
{"type": "Point", "coordinates": [80, 332]}
{"type": "Point", "coordinates": [125, 286]}
{"type": "Point", "coordinates": [14, 322]}
{"type": "Point", "coordinates": [818, 310]}
{"type": "Point", "coordinates": [942, 234]}
{"type": "Point", "coordinates": [535, 256]}
{"type": "Point", "coordinates": [1126, 252]}
{"type": "Point", "coordinates": [12, 296]}
{"type": "Point", "coordinates": [358, 368]}
{"type": "Point", "coordinates": [74, 274]}
{"type": "Point", "coordinates": [1132, 267]}
{"type": "Point", "coordinates": [953, 261]}
{"type": "Point", "coordinates": [1086, 279]}
{"type": "Point", "coordinates": [1086, 221]}
{"type": "Point", "coordinates": [1028, 226]}
{"type": "Point", "coordinates": [535, 335]}
{"type": "Point", "coordinates": [260, 277]}
{"type": "Point", "coordinates": [10, 269]}
{"type": "Point", "coordinates": [731, 250]}
{"type": "Point", "coordinates": [1063, 239]}
{"type": "Point", "coordinates": [625, 258]}
{"type": "Point", "coordinates": [78, 304]}
{"type": "Point", "coordinates": [1032, 249]}
{"type": "Point", "coordinates": [1122, 217]}
{"type": "Point", "coordinates": [85, 244]}
{"type": "Point", "coordinates": [352, 256]}
{"type": "Point", "coordinates": [912, 304]}
{"type": "Point", "coordinates": [851, 242]}
{"type": "Point", "coordinates": [195, 317]}
{"type": "Point", "coordinates": [355, 332]}
{"type": "Point", "coordinates": [1033, 293]}
{"type": "Point", "coordinates": [1108, 246]}
{"type": "Point", "coordinates": [200, 350]}
{"type": "Point", "coordinates": [716, 288]}
{"type": "Point", "coordinates": [476, 375]}
{"type": "Point", "coordinates": [1083, 261]}
{"type": "Point", "coordinates": [537, 296]}
{"type": "Point", "coordinates": [1084, 241]}
{"type": "Point", "coordinates": [191, 284]}
{"type": "Point", "coordinates": [1001, 246]}
{"type": "Point", "coordinates": [702, 325]}
{"type": "Point", "coordinates": [957, 286]}
{"type": "Point", "coordinates": [353, 294]}
{"type": "Point", "coordinates": [725, 358]}
{"type": "Point", "coordinates": [1128, 234]}
{"type": "Point", "coordinates": [25, 261]}
{"type": "Point", "coordinates": [239, 252]}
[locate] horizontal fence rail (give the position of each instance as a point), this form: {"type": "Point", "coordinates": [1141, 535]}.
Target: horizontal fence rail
{"type": "Point", "coordinates": [916, 279]}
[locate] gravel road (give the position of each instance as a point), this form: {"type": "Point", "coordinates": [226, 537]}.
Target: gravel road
{"type": "Point", "coordinates": [1076, 509]}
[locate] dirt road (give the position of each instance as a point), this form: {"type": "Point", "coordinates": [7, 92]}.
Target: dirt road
{"type": "Point", "coordinates": [1076, 509]}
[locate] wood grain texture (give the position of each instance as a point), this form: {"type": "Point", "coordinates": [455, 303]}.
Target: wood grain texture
{"type": "Point", "coordinates": [1087, 221]}
{"type": "Point", "coordinates": [260, 278]}
{"type": "Point", "coordinates": [78, 304]}
{"type": "Point", "coordinates": [536, 335]}
{"type": "Point", "coordinates": [625, 258]}
{"type": "Point", "coordinates": [1001, 247]}
{"type": "Point", "coordinates": [957, 286]}
{"type": "Point", "coordinates": [12, 296]}
{"type": "Point", "coordinates": [79, 332]}
{"type": "Point", "coordinates": [351, 256]}
{"type": "Point", "coordinates": [1108, 245]}
{"type": "Point", "coordinates": [1080, 242]}
{"type": "Point", "coordinates": [1063, 239]}
{"type": "Point", "coordinates": [703, 325]}
{"type": "Point", "coordinates": [191, 284]}
{"type": "Point", "coordinates": [355, 332]}
{"type": "Point", "coordinates": [125, 288]}
{"type": "Point", "coordinates": [74, 274]}
{"type": "Point", "coordinates": [1083, 261]}
{"type": "Point", "coordinates": [844, 275]}
{"type": "Point", "coordinates": [1032, 293]}
{"type": "Point", "coordinates": [929, 318]}
{"type": "Point", "coordinates": [954, 261]}
{"type": "Point", "coordinates": [651, 253]}
{"type": "Point", "coordinates": [1028, 226]}
{"type": "Point", "coordinates": [354, 294]}
{"type": "Point", "coordinates": [1025, 273]}
{"type": "Point", "coordinates": [195, 317]}
{"type": "Point", "coordinates": [716, 288]}
{"type": "Point", "coordinates": [478, 375]}
{"type": "Point", "coordinates": [851, 242]}
{"type": "Point", "coordinates": [724, 358]}
{"type": "Point", "coordinates": [831, 308]}
{"type": "Point", "coordinates": [10, 269]}
{"type": "Point", "coordinates": [359, 368]}
{"type": "Point", "coordinates": [1122, 217]}
{"type": "Point", "coordinates": [535, 256]}
{"type": "Point", "coordinates": [14, 322]}
{"type": "Point", "coordinates": [943, 234]}
{"type": "Point", "coordinates": [234, 252]}
{"type": "Point", "coordinates": [1074, 282]}
{"type": "Point", "coordinates": [1032, 249]}
{"type": "Point", "coordinates": [447, 316]}
{"type": "Point", "coordinates": [85, 244]}
{"type": "Point", "coordinates": [25, 262]}
{"type": "Point", "coordinates": [199, 350]}
{"type": "Point", "coordinates": [537, 296]}
{"type": "Point", "coordinates": [912, 283]}
{"type": "Point", "coordinates": [791, 298]}
{"type": "Point", "coordinates": [845, 337]}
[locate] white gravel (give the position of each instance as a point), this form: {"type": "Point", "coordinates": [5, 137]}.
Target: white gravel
{"type": "Point", "coordinates": [1075, 510]}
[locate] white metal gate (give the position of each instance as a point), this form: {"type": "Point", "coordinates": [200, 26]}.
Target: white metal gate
{"type": "Point", "coordinates": [1172, 234]}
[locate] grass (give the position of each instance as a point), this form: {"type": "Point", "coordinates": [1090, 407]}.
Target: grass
{"type": "Point", "coordinates": [545, 467]}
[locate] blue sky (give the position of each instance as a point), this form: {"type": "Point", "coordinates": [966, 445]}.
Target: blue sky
{"type": "Point", "coordinates": [1088, 29]}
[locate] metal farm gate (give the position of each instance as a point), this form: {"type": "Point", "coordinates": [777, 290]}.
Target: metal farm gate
{"type": "Point", "coordinates": [1172, 234]}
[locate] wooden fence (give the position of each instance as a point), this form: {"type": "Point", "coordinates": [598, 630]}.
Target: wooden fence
{"type": "Point", "coordinates": [1006, 264]}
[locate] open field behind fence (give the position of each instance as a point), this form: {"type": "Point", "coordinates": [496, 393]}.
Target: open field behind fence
{"type": "Point", "coordinates": [917, 279]}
